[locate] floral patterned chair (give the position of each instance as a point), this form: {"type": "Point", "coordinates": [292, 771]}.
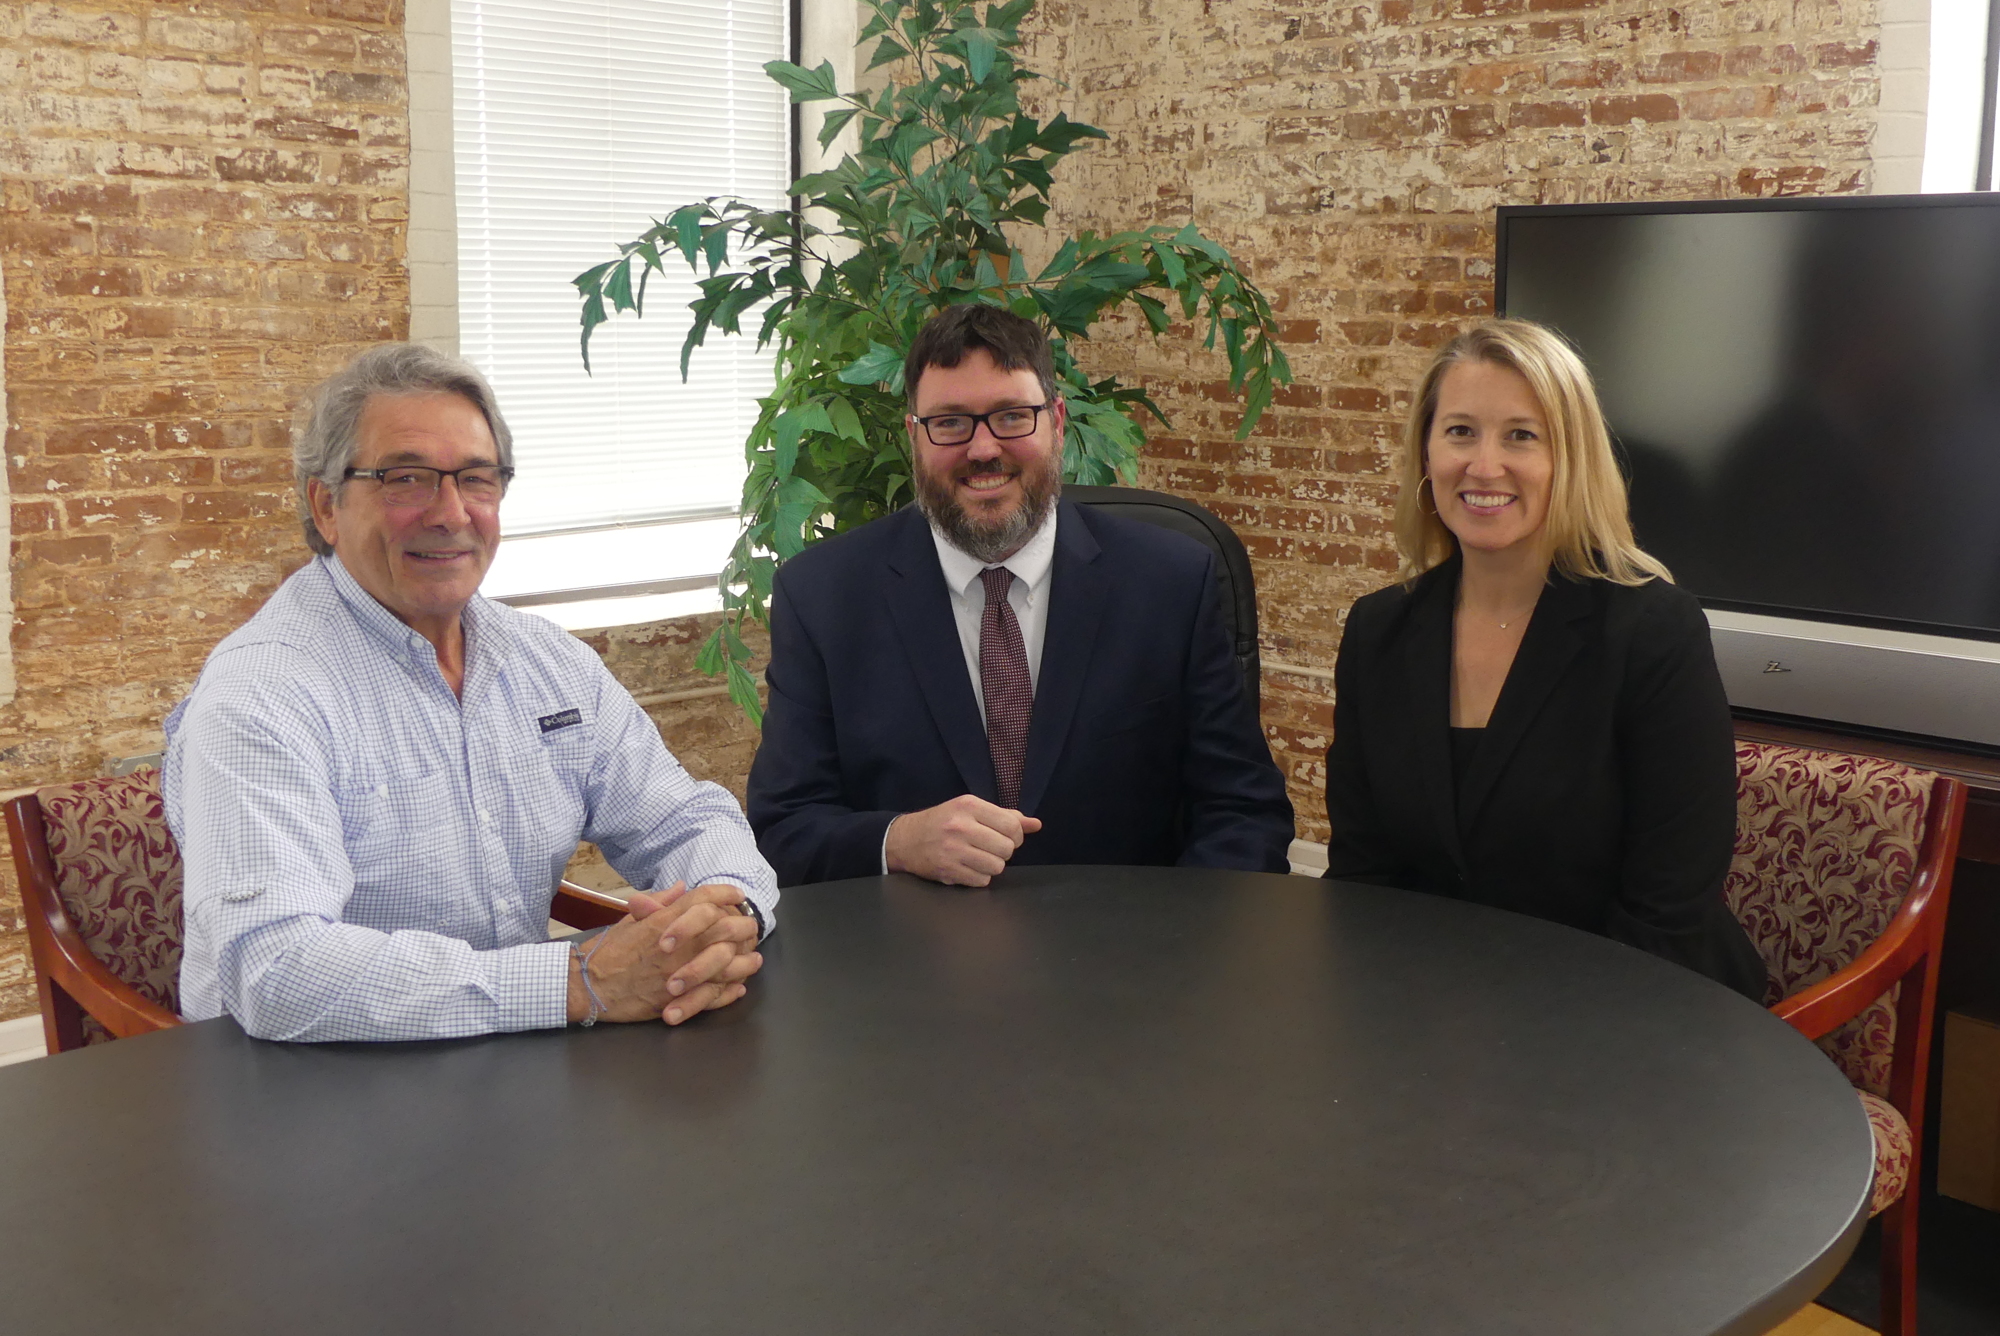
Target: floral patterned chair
{"type": "Point", "coordinates": [1841, 875]}
{"type": "Point", "coordinates": [101, 886]}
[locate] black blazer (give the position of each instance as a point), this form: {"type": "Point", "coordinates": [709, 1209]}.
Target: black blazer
{"type": "Point", "coordinates": [1602, 793]}
{"type": "Point", "coordinates": [1142, 748]}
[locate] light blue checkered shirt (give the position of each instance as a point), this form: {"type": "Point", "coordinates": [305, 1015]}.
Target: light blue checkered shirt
{"type": "Point", "coordinates": [369, 857]}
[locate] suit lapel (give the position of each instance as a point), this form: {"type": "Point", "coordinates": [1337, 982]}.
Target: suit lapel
{"type": "Point", "coordinates": [1551, 641]}
{"type": "Point", "coordinates": [920, 605]}
{"type": "Point", "coordinates": [1077, 591]}
{"type": "Point", "coordinates": [1427, 677]}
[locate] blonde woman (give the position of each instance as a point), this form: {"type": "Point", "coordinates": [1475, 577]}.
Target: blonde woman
{"type": "Point", "coordinates": [1532, 718]}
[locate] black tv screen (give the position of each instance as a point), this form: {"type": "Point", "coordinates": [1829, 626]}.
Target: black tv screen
{"type": "Point", "coordinates": [1805, 393]}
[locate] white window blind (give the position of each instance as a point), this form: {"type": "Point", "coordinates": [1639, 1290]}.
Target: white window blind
{"type": "Point", "coordinates": [577, 123]}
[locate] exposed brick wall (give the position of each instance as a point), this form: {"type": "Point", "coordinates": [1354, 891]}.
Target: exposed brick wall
{"type": "Point", "coordinates": [1351, 157]}
{"type": "Point", "coordinates": [203, 213]}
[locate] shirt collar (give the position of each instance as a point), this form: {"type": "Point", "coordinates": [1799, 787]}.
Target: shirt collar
{"type": "Point", "coordinates": [1029, 565]}
{"type": "Point", "coordinates": [485, 628]}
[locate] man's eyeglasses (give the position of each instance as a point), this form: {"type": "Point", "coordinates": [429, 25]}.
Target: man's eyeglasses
{"type": "Point", "coordinates": [411, 485]}
{"type": "Point", "coordinates": [1006, 424]}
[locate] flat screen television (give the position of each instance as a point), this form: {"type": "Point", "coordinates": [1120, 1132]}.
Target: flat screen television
{"type": "Point", "coordinates": [1806, 396]}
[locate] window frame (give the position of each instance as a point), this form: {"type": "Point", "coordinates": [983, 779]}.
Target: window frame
{"type": "Point", "coordinates": [434, 296]}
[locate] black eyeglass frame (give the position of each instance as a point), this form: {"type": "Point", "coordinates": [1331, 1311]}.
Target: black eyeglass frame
{"type": "Point", "coordinates": [506, 472]}
{"type": "Point", "coordinates": [977, 418]}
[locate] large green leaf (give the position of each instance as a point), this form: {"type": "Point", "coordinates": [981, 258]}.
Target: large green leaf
{"type": "Point", "coordinates": [686, 224]}
{"type": "Point", "coordinates": [1062, 134]}
{"type": "Point", "coordinates": [887, 51]}
{"type": "Point", "coordinates": [981, 49]}
{"type": "Point", "coordinates": [743, 692]}
{"type": "Point", "coordinates": [796, 500]}
{"type": "Point", "coordinates": [593, 316]}
{"type": "Point", "coordinates": [786, 429]}
{"type": "Point", "coordinates": [834, 122]}
{"type": "Point", "coordinates": [876, 365]}
{"type": "Point", "coordinates": [1156, 315]}
{"type": "Point", "coordinates": [846, 422]}
{"type": "Point", "coordinates": [708, 660]}
{"type": "Point", "coordinates": [814, 85]}
{"type": "Point", "coordinates": [910, 139]}
{"type": "Point", "coordinates": [1007, 17]}
{"type": "Point", "coordinates": [715, 246]}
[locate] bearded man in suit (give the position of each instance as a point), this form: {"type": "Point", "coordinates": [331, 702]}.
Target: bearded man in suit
{"type": "Point", "coordinates": [995, 675]}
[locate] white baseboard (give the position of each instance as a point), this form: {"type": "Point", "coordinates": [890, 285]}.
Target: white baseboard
{"type": "Point", "coordinates": [1308, 860]}
{"type": "Point", "coordinates": [21, 1039]}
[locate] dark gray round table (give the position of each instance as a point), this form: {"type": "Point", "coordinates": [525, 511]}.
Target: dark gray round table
{"type": "Point", "coordinates": [1091, 1100]}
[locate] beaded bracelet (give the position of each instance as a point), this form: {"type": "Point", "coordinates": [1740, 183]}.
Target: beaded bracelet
{"type": "Point", "coordinates": [583, 970]}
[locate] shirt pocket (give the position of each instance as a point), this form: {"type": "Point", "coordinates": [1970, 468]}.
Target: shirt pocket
{"type": "Point", "coordinates": [546, 779]}
{"type": "Point", "coordinates": [559, 756]}
{"type": "Point", "coordinates": [569, 750]}
{"type": "Point", "coordinates": [399, 831]}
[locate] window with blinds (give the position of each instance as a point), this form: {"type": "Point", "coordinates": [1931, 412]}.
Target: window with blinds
{"type": "Point", "coordinates": [575, 124]}
{"type": "Point", "coordinates": [1958, 129]}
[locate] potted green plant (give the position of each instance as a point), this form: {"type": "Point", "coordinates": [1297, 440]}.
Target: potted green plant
{"type": "Point", "coordinates": [948, 165]}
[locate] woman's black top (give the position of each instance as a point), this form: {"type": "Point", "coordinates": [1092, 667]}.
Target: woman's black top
{"type": "Point", "coordinates": [1463, 742]}
{"type": "Point", "coordinates": [1601, 793]}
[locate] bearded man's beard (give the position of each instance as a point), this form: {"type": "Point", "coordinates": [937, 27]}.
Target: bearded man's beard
{"type": "Point", "coordinates": [989, 541]}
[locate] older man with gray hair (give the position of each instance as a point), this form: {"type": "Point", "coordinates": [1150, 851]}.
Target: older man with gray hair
{"type": "Point", "coordinates": [377, 781]}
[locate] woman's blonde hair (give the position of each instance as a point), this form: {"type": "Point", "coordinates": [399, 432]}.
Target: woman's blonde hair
{"type": "Point", "coordinates": [1590, 533]}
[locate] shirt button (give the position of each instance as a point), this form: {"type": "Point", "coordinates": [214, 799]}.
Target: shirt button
{"type": "Point", "coordinates": [484, 817]}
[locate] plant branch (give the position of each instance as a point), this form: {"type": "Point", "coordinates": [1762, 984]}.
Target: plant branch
{"type": "Point", "coordinates": [925, 202]}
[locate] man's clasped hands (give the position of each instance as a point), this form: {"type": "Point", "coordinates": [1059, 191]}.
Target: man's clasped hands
{"type": "Point", "coordinates": [676, 954]}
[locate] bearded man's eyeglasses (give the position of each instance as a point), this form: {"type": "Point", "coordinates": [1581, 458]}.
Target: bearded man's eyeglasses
{"type": "Point", "coordinates": [1006, 424]}
{"type": "Point", "coordinates": [411, 485]}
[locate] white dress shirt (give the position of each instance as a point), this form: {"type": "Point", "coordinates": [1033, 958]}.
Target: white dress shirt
{"type": "Point", "coordinates": [1029, 595]}
{"type": "Point", "coordinates": [369, 856]}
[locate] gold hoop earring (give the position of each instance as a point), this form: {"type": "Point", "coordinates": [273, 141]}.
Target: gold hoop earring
{"type": "Point", "coordinates": [1422, 483]}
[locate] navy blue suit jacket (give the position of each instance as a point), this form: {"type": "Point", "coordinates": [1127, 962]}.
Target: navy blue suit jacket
{"type": "Point", "coordinates": [1142, 748]}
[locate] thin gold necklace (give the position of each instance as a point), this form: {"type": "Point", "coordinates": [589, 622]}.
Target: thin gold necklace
{"type": "Point", "coordinates": [1513, 617]}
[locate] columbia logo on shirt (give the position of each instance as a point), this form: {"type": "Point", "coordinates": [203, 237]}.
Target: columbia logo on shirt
{"type": "Point", "coordinates": [551, 722]}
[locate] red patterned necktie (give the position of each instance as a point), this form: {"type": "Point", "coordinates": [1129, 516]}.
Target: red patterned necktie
{"type": "Point", "coordinates": [1004, 680]}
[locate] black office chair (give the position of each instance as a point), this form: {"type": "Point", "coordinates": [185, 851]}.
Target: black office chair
{"type": "Point", "coordinates": [1232, 563]}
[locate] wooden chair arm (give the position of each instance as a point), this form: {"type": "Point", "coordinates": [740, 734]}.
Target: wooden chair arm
{"type": "Point", "coordinates": [59, 951]}
{"type": "Point", "coordinates": [1838, 999]}
{"type": "Point", "coordinates": [117, 1005]}
{"type": "Point", "coordinates": [580, 907]}
{"type": "Point", "coordinates": [1910, 936]}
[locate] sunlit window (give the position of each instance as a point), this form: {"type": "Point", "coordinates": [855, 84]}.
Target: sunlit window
{"type": "Point", "coordinates": [575, 124]}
